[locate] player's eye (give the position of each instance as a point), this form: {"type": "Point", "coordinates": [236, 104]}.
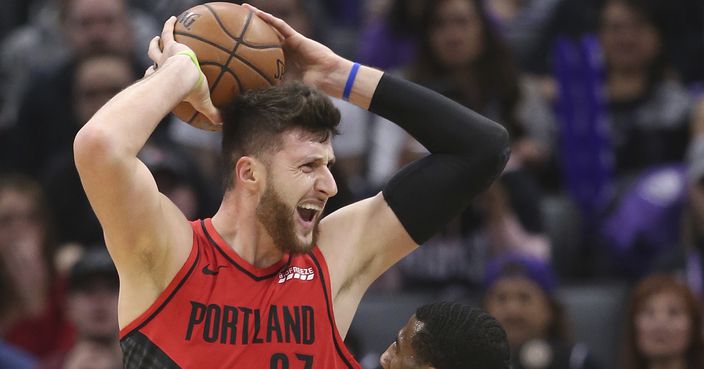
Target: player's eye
{"type": "Point", "coordinates": [307, 167]}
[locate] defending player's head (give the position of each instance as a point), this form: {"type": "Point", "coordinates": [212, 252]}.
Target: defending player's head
{"type": "Point", "coordinates": [277, 145]}
{"type": "Point", "coordinates": [449, 336]}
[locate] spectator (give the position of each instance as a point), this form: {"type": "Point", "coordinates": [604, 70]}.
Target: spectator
{"type": "Point", "coordinates": [91, 302]}
{"type": "Point", "coordinates": [31, 312]}
{"type": "Point", "coordinates": [389, 41]}
{"type": "Point", "coordinates": [462, 56]}
{"type": "Point", "coordinates": [647, 114]}
{"type": "Point", "coordinates": [663, 327]}
{"type": "Point", "coordinates": [647, 111]}
{"type": "Point", "coordinates": [682, 23]}
{"type": "Point", "coordinates": [522, 23]}
{"type": "Point", "coordinates": [97, 78]}
{"type": "Point", "coordinates": [90, 27]}
{"type": "Point", "coordinates": [60, 30]}
{"type": "Point", "coordinates": [520, 294]}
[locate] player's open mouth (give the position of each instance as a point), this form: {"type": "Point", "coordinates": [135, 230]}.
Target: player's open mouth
{"type": "Point", "coordinates": [308, 212]}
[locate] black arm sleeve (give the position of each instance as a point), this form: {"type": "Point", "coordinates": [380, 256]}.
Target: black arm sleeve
{"type": "Point", "coordinates": [468, 151]}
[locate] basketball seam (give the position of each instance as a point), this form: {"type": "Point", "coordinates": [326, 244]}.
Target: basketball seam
{"type": "Point", "coordinates": [251, 46]}
{"type": "Point", "coordinates": [219, 47]}
{"type": "Point", "coordinates": [227, 70]}
{"type": "Point", "coordinates": [234, 49]}
{"type": "Point", "coordinates": [217, 19]}
{"type": "Point", "coordinates": [227, 63]}
{"type": "Point", "coordinates": [238, 41]}
{"type": "Point", "coordinates": [259, 47]}
{"type": "Point", "coordinates": [254, 68]}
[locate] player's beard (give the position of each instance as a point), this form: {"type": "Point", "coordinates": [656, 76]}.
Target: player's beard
{"type": "Point", "coordinates": [278, 220]}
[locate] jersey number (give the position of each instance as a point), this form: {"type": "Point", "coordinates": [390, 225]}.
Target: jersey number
{"type": "Point", "coordinates": [280, 361]}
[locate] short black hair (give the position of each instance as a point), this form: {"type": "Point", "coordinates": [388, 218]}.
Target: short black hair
{"type": "Point", "coordinates": [252, 124]}
{"type": "Point", "coordinates": [455, 336]}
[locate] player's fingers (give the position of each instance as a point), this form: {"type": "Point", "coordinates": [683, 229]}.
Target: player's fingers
{"type": "Point", "coordinates": [281, 26]}
{"type": "Point", "coordinates": [213, 114]}
{"type": "Point", "coordinates": [167, 34]}
{"type": "Point", "coordinates": [154, 51]}
{"type": "Point", "coordinates": [215, 118]}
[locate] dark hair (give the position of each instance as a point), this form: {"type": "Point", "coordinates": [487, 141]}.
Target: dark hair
{"type": "Point", "coordinates": [402, 19]}
{"type": "Point", "coordinates": [648, 287]}
{"type": "Point", "coordinates": [454, 335]}
{"type": "Point", "coordinates": [253, 123]}
{"type": "Point", "coordinates": [494, 69]}
{"type": "Point", "coordinates": [651, 12]}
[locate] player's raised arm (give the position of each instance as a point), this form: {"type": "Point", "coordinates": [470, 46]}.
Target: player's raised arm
{"type": "Point", "coordinates": [468, 151]}
{"type": "Point", "coordinates": [137, 220]}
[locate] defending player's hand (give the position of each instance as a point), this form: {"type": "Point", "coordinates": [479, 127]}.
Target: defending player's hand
{"type": "Point", "coordinates": [312, 59]}
{"type": "Point", "coordinates": [164, 47]}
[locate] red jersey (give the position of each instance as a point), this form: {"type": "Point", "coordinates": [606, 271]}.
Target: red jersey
{"type": "Point", "coordinates": [220, 311]}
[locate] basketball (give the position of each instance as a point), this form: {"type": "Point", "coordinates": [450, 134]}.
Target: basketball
{"type": "Point", "coordinates": [237, 52]}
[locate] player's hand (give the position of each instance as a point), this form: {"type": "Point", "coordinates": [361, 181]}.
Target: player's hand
{"type": "Point", "coordinates": [312, 59]}
{"type": "Point", "coordinates": [164, 47]}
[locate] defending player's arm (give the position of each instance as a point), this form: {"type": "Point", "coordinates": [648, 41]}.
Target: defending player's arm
{"type": "Point", "coordinates": [138, 222]}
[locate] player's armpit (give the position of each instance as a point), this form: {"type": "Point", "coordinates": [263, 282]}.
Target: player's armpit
{"type": "Point", "coordinates": [361, 241]}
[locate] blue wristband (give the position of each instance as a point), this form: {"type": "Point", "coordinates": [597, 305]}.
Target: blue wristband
{"type": "Point", "coordinates": [350, 82]}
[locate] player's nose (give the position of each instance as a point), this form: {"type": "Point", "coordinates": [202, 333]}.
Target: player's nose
{"type": "Point", "coordinates": [326, 183]}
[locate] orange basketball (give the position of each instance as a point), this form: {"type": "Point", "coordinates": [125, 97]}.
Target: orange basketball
{"type": "Point", "coordinates": [237, 51]}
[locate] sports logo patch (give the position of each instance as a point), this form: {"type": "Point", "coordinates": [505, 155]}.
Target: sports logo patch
{"type": "Point", "coordinates": [303, 274]}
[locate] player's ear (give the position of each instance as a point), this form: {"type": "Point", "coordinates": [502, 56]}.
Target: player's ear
{"type": "Point", "coordinates": [249, 172]}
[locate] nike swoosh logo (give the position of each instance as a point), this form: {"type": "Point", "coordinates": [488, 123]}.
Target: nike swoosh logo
{"type": "Point", "coordinates": [207, 271]}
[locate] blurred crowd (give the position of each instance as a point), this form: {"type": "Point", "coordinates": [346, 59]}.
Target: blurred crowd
{"type": "Point", "coordinates": [604, 101]}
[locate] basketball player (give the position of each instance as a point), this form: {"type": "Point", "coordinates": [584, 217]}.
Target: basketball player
{"type": "Point", "coordinates": [265, 283]}
{"type": "Point", "coordinates": [447, 335]}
